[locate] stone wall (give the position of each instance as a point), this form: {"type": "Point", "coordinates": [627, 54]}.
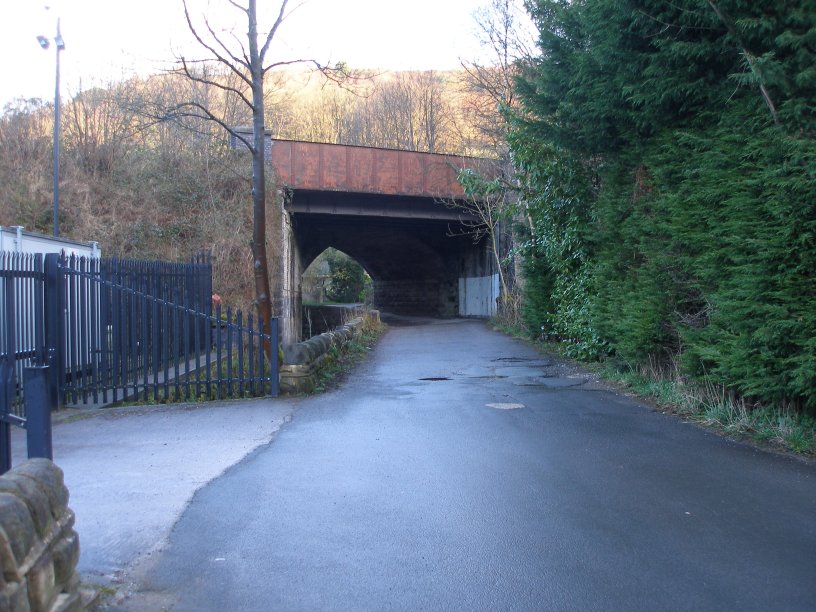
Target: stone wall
{"type": "Point", "coordinates": [302, 361]}
{"type": "Point", "coordinates": [431, 298]}
{"type": "Point", "coordinates": [318, 319]}
{"type": "Point", "coordinates": [39, 548]}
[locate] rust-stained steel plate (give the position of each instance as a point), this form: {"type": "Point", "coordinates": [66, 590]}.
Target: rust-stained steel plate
{"type": "Point", "coordinates": [330, 167]}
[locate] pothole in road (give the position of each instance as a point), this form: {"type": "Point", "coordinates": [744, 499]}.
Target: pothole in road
{"type": "Point", "coordinates": [505, 406]}
{"type": "Point", "coordinates": [435, 378]}
{"type": "Point", "coordinates": [531, 362]}
{"type": "Point", "coordinates": [552, 383]}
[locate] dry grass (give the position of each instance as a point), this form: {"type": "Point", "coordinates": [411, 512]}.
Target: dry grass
{"type": "Point", "coordinates": [711, 405]}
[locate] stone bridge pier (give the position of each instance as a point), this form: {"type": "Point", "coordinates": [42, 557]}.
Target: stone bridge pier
{"type": "Point", "coordinates": [390, 211]}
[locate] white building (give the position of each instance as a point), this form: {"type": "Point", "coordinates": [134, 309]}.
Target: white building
{"type": "Point", "coordinates": [17, 240]}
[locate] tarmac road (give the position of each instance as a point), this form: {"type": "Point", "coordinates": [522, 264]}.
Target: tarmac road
{"type": "Point", "coordinates": [460, 470]}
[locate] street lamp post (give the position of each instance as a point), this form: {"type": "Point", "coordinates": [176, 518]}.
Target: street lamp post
{"type": "Point", "coordinates": [59, 45]}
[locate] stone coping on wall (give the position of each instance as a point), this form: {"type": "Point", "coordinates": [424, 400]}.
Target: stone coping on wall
{"type": "Point", "coordinates": [39, 548]}
{"type": "Point", "coordinates": [302, 361]}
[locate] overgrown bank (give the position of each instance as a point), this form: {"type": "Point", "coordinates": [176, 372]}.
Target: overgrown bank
{"type": "Point", "coordinates": [715, 407]}
{"type": "Point", "coordinates": [668, 170]}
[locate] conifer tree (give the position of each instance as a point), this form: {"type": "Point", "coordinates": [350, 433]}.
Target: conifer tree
{"type": "Point", "coordinates": [685, 229]}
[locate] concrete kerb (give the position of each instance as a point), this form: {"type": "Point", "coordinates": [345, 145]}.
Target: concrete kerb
{"type": "Point", "coordinates": [72, 414]}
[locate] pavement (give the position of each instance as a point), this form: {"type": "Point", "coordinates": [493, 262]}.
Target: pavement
{"type": "Point", "coordinates": [131, 471]}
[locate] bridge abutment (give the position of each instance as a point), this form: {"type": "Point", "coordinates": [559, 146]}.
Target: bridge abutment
{"type": "Point", "coordinates": [288, 271]}
{"type": "Point", "coordinates": [416, 297]}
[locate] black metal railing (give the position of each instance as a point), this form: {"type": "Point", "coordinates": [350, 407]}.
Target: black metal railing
{"type": "Point", "coordinates": [22, 353]}
{"type": "Point", "coordinates": [115, 330]}
{"type": "Point", "coordinates": [139, 332]}
{"type": "Point", "coordinates": [22, 323]}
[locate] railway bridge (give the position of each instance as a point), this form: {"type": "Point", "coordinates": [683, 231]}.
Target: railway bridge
{"type": "Point", "coordinates": [389, 210]}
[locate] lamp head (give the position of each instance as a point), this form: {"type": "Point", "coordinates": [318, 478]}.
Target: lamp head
{"type": "Point", "coordinates": [44, 42]}
{"type": "Point", "coordinates": [59, 42]}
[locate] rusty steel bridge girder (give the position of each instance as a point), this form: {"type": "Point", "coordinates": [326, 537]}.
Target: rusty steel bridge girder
{"type": "Point", "coordinates": [316, 166]}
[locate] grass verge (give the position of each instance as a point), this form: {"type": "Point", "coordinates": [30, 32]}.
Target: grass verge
{"type": "Point", "coordinates": [778, 427]}
{"type": "Point", "coordinates": [774, 427]}
{"type": "Point", "coordinates": [340, 360]}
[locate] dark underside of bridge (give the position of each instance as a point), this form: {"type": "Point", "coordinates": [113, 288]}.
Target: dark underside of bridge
{"type": "Point", "coordinates": [414, 248]}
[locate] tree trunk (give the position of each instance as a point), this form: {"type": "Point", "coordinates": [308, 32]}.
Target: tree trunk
{"type": "Point", "coordinates": [260, 264]}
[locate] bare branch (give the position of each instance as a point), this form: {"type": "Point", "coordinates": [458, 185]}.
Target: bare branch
{"type": "Point", "coordinates": [211, 49]}
{"type": "Point", "coordinates": [240, 43]}
{"type": "Point", "coordinates": [243, 9]}
{"type": "Point", "coordinates": [226, 49]}
{"type": "Point", "coordinates": [274, 29]}
{"type": "Point", "coordinates": [205, 81]}
{"type": "Point", "coordinates": [205, 113]}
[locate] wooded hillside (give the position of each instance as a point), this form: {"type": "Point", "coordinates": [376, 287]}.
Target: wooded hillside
{"type": "Point", "coordinates": [146, 183]}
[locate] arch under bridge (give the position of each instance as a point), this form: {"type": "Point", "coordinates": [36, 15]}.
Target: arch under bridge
{"type": "Point", "coordinates": [390, 210]}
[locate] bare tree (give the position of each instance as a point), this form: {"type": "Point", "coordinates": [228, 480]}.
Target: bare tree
{"type": "Point", "coordinates": [245, 61]}
{"type": "Point", "coordinates": [487, 204]}
{"type": "Point", "coordinates": [405, 110]}
{"type": "Point", "coordinates": [100, 124]}
{"type": "Point", "coordinates": [506, 34]}
{"type": "Point", "coordinates": [432, 111]}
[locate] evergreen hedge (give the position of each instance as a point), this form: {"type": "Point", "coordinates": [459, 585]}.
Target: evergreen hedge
{"type": "Point", "coordinates": [668, 161]}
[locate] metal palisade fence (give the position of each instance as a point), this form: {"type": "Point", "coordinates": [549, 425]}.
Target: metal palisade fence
{"type": "Point", "coordinates": [116, 330]}
{"type": "Point", "coordinates": [22, 327]}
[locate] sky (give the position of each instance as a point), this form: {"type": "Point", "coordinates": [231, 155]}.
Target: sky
{"type": "Point", "coordinates": [106, 40]}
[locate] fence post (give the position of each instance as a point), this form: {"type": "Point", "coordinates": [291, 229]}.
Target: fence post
{"type": "Point", "coordinates": [7, 372]}
{"type": "Point", "coordinates": [273, 357]}
{"type": "Point", "coordinates": [38, 412]}
{"type": "Point", "coordinates": [54, 324]}
{"type": "Point", "coordinates": [6, 391]}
